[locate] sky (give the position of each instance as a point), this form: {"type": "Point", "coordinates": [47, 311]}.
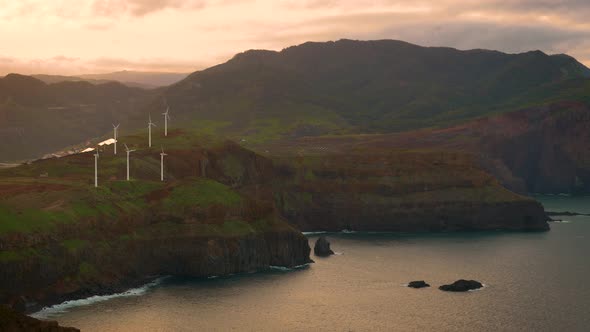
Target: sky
{"type": "Point", "coordinates": [71, 37]}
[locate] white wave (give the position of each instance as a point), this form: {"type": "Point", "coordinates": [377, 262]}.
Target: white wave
{"type": "Point", "coordinates": [479, 289]}
{"type": "Point", "coordinates": [57, 309]}
{"type": "Point", "coordinates": [314, 233]}
{"type": "Point", "coordinates": [347, 231]}
{"type": "Point", "coordinates": [280, 268]}
{"type": "Point", "coordinates": [561, 221]}
{"type": "Point", "coordinates": [285, 269]}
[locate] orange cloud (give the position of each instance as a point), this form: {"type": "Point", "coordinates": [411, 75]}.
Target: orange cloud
{"type": "Point", "coordinates": [191, 34]}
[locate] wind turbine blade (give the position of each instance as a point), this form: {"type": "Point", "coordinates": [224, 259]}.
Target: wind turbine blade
{"type": "Point", "coordinates": [126, 147]}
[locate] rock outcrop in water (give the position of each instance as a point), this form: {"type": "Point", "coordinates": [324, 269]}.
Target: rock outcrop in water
{"type": "Point", "coordinates": [12, 321]}
{"type": "Point", "coordinates": [418, 284]}
{"type": "Point", "coordinates": [461, 285]}
{"type": "Point", "coordinates": [322, 247]}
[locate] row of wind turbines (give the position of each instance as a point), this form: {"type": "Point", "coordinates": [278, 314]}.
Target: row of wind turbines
{"type": "Point", "coordinates": [150, 125]}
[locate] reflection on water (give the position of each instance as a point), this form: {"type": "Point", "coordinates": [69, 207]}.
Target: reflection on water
{"type": "Point", "coordinates": [535, 282]}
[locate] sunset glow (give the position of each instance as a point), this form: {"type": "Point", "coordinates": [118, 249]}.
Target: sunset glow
{"type": "Point", "coordinates": [90, 36]}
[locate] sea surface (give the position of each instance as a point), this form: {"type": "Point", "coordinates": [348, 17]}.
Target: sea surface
{"type": "Point", "coordinates": [534, 282]}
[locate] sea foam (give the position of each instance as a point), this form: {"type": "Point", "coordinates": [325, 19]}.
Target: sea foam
{"type": "Point", "coordinates": [63, 307]}
{"type": "Point", "coordinates": [285, 269]}
{"type": "Point", "coordinates": [313, 233]}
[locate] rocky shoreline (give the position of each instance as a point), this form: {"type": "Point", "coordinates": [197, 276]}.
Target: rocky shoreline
{"type": "Point", "coordinates": [41, 283]}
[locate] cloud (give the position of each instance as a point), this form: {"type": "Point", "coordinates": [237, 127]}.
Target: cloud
{"type": "Point", "coordinates": [570, 8]}
{"type": "Point", "coordinates": [62, 65]}
{"type": "Point", "coordinates": [141, 7]}
{"type": "Point", "coordinates": [433, 29]}
{"type": "Point", "coordinates": [106, 35]}
{"type": "Point", "coordinates": [106, 64]}
{"type": "Point", "coordinates": [88, 9]}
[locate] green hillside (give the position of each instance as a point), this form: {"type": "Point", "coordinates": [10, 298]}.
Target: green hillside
{"type": "Point", "coordinates": [214, 215]}
{"type": "Point", "coordinates": [257, 97]}
{"type": "Point", "coordinates": [367, 87]}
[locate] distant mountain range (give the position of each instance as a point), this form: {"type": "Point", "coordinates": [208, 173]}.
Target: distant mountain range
{"type": "Point", "coordinates": [137, 79]}
{"type": "Point", "coordinates": [37, 118]}
{"type": "Point", "coordinates": [347, 87]}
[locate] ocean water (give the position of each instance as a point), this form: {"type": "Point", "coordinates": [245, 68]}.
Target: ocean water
{"type": "Point", "coordinates": [534, 282]}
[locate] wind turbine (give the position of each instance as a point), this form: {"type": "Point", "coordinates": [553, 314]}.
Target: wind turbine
{"type": "Point", "coordinates": [128, 152]}
{"type": "Point", "coordinates": [166, 118]}
{"type": "Point", "coordinates": [96, 169]}
{"type": "Point", "coordinates": [162, 164]}
{"type": "Point", "coordinates": [115, 128]}
{"type": "Point", "coordinates": [150, 124]}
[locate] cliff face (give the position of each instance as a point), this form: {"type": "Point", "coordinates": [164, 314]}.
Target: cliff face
{"type": "Point", "coordinates": [53, 274]}
{"type": "Point", "coordinates": [550, 152]}
{"type": "Point", "coordinates": [402, 191]}
{"type": "Point", "coordinates": [541, 149]}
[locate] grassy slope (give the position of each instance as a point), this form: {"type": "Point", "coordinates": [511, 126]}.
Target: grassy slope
{"type": "Point", "coordinates": [61, 236]}
{"type": "Point", "coordinates": [66, 200]}
{"type": "Point", "coordinates": [350, 87]}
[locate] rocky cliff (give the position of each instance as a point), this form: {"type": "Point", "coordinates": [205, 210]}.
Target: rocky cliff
{"type": "Point", "coordinates": [539, 149]}
{"type": "Point", "coordinates": [51, 273]}
{"type": "Point", "coordinates": [395, 190]}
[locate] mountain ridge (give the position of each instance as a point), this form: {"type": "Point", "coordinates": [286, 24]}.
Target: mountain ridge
{"type": "Point", "coordinates": [341, 87]}
{"type": "Point", "coordinates": [365, 83]}
{"type": "Point", "coordinates": [134, 79]}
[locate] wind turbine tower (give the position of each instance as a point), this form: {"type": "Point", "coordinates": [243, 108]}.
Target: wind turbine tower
{"type": "Point", "coordinates": [150, 124]}
{"type": "Point", "coordinates": [128, 152]}
{"type": "Point", "coordinates": [115, 128]}
{"type": "Point", "coordinates": [96, 169]}
{"type": "Point", "coordinates": [166, 118]}
{"type": "Point", "coordinates": [162, 164]}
